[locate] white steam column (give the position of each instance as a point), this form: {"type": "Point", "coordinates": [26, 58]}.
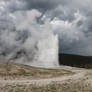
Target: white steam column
{"type": "Point", "coordinates": [47, 55]}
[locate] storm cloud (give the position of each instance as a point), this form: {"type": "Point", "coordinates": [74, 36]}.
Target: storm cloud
{"type": "Point", "coordinates": [70, 19]}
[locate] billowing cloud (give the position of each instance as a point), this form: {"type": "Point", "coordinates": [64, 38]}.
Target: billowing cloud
{"type": "Point", "coordinates": [70, 19]}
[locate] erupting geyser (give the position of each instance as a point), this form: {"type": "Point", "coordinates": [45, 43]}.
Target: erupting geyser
{"type": "Point", "coordinates": [47, 54]}
{"type": "Point", "coordinates": [27, 41]}
{"type": "Point", "coordinates": [45, 41]}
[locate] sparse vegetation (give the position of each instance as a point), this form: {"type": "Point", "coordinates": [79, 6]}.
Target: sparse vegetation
{"type": "Point", "coordinates": [20, 71]}
{"type": "Point", "coordinates": [23, 78]}
{"type": "Point", "coordinates": [67, 86]}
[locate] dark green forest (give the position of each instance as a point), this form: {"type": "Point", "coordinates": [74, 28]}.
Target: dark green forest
{"type": "Point", "coordinates": [75, 60]}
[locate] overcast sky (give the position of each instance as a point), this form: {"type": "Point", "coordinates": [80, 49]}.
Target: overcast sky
{"type": "Point", "coordinates": [70, 19]}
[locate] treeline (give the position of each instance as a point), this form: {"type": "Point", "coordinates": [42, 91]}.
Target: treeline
{"type": "Point", "coordinates": [75, 60]}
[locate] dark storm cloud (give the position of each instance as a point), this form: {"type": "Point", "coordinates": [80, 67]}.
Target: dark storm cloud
{"type": "Point", "coordinates": [72, 20]}
{"type": "Point", "coordinates": [44, 4]}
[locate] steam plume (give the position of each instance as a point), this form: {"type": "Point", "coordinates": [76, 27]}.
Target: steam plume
{"type": "Point", "coordinates": [29, 42]}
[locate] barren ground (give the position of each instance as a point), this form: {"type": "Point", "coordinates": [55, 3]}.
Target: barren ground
{"type": "Point", "coordinates": [63, 78]}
